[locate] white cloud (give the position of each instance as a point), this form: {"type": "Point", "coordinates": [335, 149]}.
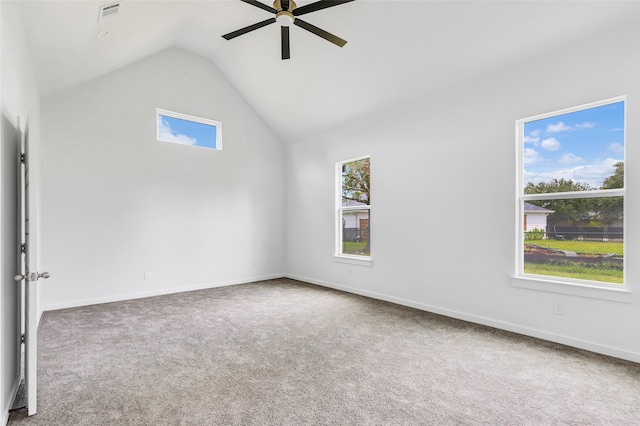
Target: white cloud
{"type": "Point", "coordinates": [569, 159]}
{"type": "Point", "coordinates": [546, 176]}
{"type": "Point", "coordinates": [535, 141]}
{"type": "Point", "coordinates": [166, 134]}
{"type": "Point", "coordinates": [585, 125]}
{"type": "Point", "coordinates": [592, 174]}
{"type": "Point", "coordinates": [597, 172]}
{"type": "Point", "coordinates": [615, 147]}
{"type": "Point", "coordinates": [559, 127]}
{"type": "Point", "coordinates": [551, 144]}
{"type": "Point", "coordinates": [531, 156]}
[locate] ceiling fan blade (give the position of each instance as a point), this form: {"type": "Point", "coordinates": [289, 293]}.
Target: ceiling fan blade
{"type": "Point", "coordinates": [319, 5]}
{"type": "Point", "coordinates": [322, 33]}
{"type": "Point", "coordinates": [260, 5]}
{"type": "Point", "coordinates": [245, 30]}
{"type": "Point", "coordinates": [284, 32]}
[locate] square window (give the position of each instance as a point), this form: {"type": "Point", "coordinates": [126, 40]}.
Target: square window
{"type": "Point", "coordinates": [355, 232]}
{"type": "Point", "coordinates": [585, 240]}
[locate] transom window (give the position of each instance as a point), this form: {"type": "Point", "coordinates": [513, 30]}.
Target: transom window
{"type": "Point", "coordinates": [353, 227]}
{"type": "Point", "coordinates": [571, 194]}
{"type": "Point", "coordinates": [186, 129]}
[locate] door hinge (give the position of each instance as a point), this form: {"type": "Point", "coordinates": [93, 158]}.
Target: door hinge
{"type": "Point", "coordinates": [22, 339]}
{"type": "Point", "coordinates": [23, 248]}
{"type": "Point", "coordinates": [23, 157]}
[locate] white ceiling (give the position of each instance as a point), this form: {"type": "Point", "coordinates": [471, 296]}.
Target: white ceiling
{"type": "Point", "coordinates": [396, 49]}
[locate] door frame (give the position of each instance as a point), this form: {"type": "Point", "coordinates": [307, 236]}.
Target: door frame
{"type": "Point", "coordinates": [27, 274]}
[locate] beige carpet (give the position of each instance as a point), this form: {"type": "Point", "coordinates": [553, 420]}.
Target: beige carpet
{"type": "Point", "coordinates": [283, 352]}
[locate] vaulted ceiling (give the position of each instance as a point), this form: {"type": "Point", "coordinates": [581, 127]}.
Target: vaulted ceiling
{"type": "Point", "coordinates": [396, 49]}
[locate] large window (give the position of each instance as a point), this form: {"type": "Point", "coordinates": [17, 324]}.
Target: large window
{"type": "Point", "coordinates": [353, 208]}
{"type": "Point", "coordinates": [571, 195]}
{"type": "Point", "coordinates": [186, 129]}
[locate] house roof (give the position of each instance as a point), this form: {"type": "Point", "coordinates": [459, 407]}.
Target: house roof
{"type": "Point", "coordinates": [396, 50]}
{"type": "Point", "coordinates": [532, 208]}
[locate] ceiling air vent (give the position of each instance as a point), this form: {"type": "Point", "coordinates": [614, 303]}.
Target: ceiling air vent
{"type": "Point", "coordinates": [108, 10]}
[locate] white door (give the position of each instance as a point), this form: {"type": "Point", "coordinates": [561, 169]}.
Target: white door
{"type": "Point", "coordinates": [28, 273]}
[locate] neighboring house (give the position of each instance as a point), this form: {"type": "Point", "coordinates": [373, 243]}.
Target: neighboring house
{"type": "Point", "coordinates": [355, 223]}
{"type": "Point", "coordinates": [535, 217]}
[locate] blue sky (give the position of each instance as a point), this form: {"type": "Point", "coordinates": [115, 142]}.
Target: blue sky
{"type": "Point", "coordinates": [186, 132]}
{"type": "Point", "coordinates": [582, 145]}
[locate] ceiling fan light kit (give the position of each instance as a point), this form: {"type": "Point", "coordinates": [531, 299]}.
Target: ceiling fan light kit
{"type": "Point", "coordinates": [286, 13]}
{"type": "Point", "coordinates": [284, 17]}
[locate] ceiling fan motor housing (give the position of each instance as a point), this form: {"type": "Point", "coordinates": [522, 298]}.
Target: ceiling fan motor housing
{"type": "Point", "coordinates": [284, 17]}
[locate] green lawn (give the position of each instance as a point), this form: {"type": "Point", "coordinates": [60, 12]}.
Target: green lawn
{"type": "Point", "coordinates": [354, 248]}
{"type": "Point", "coordinates": [571, 268]}
{"type": "Point", "coordinates": [578, 246]}
{"type": "Point", "coordinates": [575, 271]}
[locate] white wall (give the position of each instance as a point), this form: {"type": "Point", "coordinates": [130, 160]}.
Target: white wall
{"type": "Point", "coordinates": [19, 97]}
{"type": "Point", "coordinates": [536, 221]}
{"type": "Point", "coordinates": [443, 152]}
{"type": "Point", "coordinates": [116, 203]}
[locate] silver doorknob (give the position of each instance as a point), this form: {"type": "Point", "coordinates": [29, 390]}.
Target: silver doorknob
{"type": "Point", "coordinates": [44, 275]}
{"type": "Point", "coordinates": [20, 277]}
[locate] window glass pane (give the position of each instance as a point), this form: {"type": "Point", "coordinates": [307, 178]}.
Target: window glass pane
{"type": "Point", "coordinates": [355, 183]}
{"type": "Point", "coordinates": [580, 238]}
{"type": "Point", "coordinates": [187, 132]}
{"type": "Point", "coordinates": [575, 151]}
{"type": "Point", "coordinates": [355, 232]}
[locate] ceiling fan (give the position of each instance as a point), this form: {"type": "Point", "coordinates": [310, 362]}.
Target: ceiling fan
{"type": "Point", "coordinates": [286, 13]}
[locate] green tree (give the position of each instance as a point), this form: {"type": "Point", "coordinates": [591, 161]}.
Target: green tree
{"type": "Point", "coordinates": [572, 210]}
{"type": "Point", "coordinates": [556, 185]}
{"type": "Point", "coordinates": [616, 180]}
{"type": "Point", "coordinates": [610, 209]}
{"type": "Point", "coordinates": [356, 181]}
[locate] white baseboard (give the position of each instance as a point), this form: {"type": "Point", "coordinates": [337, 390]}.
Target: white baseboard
{"type": "Point", "coordinates": [515, 328]}
{"type": "Point", "coordinates": [527, 331]}
{"type": "Point", "coordinates": [151, 293]}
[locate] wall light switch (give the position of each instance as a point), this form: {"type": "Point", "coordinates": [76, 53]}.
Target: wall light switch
{"type": "Point", "coordinates": [147, 275]}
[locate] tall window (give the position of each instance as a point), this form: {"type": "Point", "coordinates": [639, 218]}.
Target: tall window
{"type": "Point", "coordinates": [354, 208]}
{"type": "Point", "coordinates": [571, 194]}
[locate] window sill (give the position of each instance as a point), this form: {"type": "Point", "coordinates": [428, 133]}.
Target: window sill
{"type": "Point", "coordinates": [574, 289]}
{"type": "Point", "coordinates": [354, 260]}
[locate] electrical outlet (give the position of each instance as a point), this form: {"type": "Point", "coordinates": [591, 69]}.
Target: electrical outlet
{"type": "Point", "coordinates": [558, 309]}
{"type": "Point", "coordinates": [349, 272]}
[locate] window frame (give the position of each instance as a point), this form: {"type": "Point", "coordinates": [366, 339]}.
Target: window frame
{"type": "Point", "coordinates": [585, 288]}
{"type": "Point", "coordinates": [339, 209]}
{"type": "Point", "coordinates": [193, 119]}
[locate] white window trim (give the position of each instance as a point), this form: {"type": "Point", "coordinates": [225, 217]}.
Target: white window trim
{"type": "Point", "coordinates": [584, 288]}
{"type": "Point", "coordinates": [195, 119]}
{"type": "Point", "coordinates": [338, 256]}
